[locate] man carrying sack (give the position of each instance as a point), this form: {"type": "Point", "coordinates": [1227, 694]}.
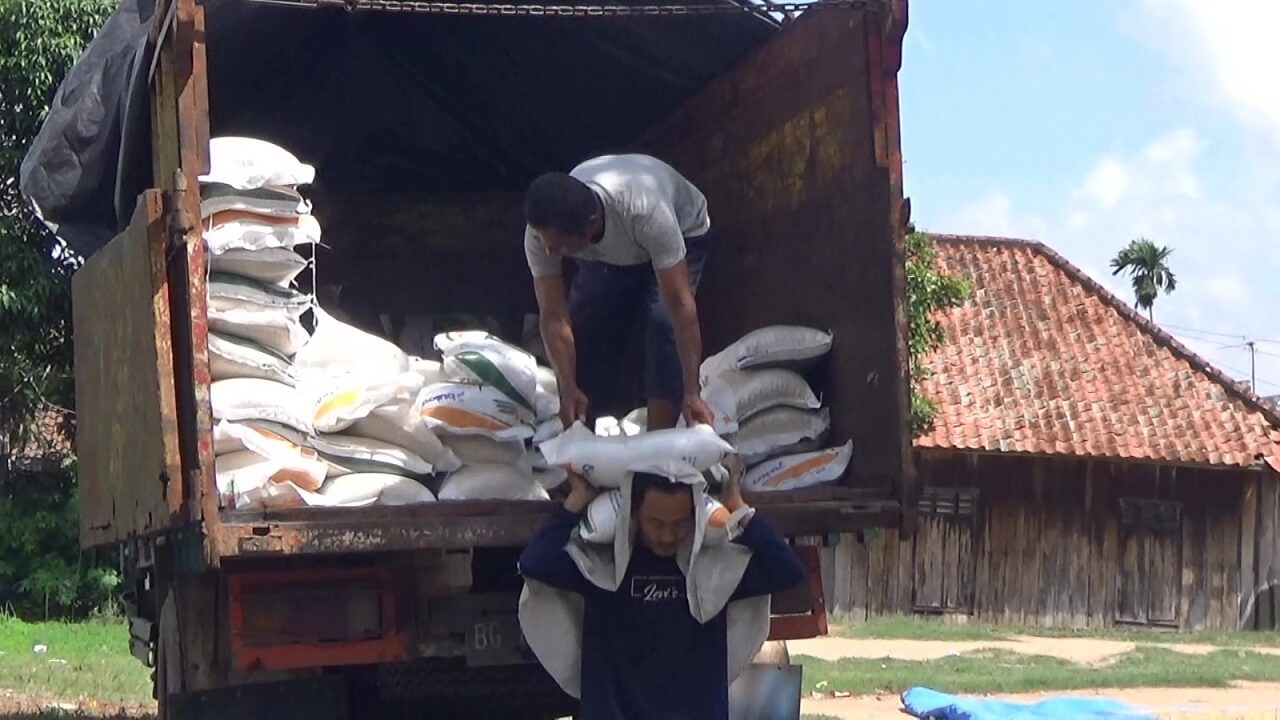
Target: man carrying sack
{"type": "Point", "coordinates": [638, 233]}
{"type": "Point", "coordinates": [644, 653]}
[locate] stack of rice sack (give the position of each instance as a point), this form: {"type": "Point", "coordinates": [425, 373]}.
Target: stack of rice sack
{"type": "Point", "coordinates": [492, 401]}
{"type": "Point", "coordinates": [253, 222]}
{"type": "Point", "coordinates": [606, 460]}
{"type": "Point", "coordinates": [361, 395]}
{"type": "Point", "coordinates": [768, 411]}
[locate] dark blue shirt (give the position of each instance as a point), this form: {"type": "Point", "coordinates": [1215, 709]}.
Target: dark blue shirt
{"type": "Point", "coordinates": [644, 656]}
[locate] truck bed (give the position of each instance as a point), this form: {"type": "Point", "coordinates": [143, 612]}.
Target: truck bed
{"type": "Point", "coordinates": [502, 523]}
{"type": "Point", "coordinates": [790, 131]}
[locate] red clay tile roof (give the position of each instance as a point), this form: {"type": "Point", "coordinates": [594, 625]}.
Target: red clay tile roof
{"type": "Point", "coordinates": [47, 440]}
{"type": "Point", "coordinates": [1044, 360]}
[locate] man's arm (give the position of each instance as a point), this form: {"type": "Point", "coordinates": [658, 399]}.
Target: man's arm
{"type": "Point", "coordinates": [557, 336]}
{"type": "Point", "coordinates": [773, 566]}
{"type": "Point", "coordinates": [544, 559]}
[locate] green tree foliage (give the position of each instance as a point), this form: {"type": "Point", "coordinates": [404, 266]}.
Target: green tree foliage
{"type": "Point", "coordinates": [1147, 266]}
{"type": "Point", "coordinates": [40, 564]}
{"type": "Point", "coordinates": [929, 291]}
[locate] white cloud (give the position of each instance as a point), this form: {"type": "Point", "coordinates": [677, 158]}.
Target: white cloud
{"type": "Point", "coordinates": [1223, 254]}
{"type": "Point", "coordinates": [1227, 51]}
{"type": "Point", "coordinates": [993, 214]}
{"type": "Point", "coordinates": [1228, 288]}
{"type": "Point", "coordinates": [1107, 183]}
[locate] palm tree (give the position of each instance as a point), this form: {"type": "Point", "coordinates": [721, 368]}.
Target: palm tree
{"type": "Point", "coordinates": [1148, 268]}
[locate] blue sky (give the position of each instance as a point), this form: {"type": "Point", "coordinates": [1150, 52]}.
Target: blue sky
{"type": "Point", "coordinates": [1085, 123]}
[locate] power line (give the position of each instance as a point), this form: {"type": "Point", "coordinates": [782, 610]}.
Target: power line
{"type": "Point", "coordinates": [1206, 332]}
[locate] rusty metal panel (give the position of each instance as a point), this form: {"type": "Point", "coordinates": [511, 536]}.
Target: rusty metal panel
{"type": "Point", "coordinates": [489, 523]}
{"type": "Point", "coordinates": [797, 151]}
{"type": "Point", "coordinates": [180, 148]}
{"type": "Point", "coordinates": [126, 432]}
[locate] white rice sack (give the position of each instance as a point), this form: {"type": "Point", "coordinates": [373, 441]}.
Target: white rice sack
{"type": "Point", "coordinates": [401, 424]}
{"type": "Point", "coordinates": [256, 435]}
{"type": "Point", "coordinates": [363, 489]}
{"type": "Point", "coordinates": [608, 426]}
{"type": "Point", "coordinates": [272, 496]}
{"type": "Point", "coordinates": [337, 349]}
{"type": "Point", "coordinates": [247, 163]}
{"type": "Point", "coordinates": [793, 472]}
{"type": "Point", "coordinates": [599, 523]}
{"type": "Point", "coordinates": [546, 400]}
{"type": "Point", "coordinates": [605, 461]}
{"type": "Point", "coordinates": [635, 422]}
{"type": "Point", "coordinates": [545, 405]}
{"type": "Point", "coordinates": [355, 454]}
{"type": "Point", "coordinates": [248, 231]}
{"type": "Point", "coordinates": [477, 356]}
{"type": "Point", "coordinates": [277, 329]}
{"type": "Point", "coordinates": [467, 409]}
{"type": "Point", "coordinates": [239, 474]}
{"type": "Point", "coordinates": [481, 450]}
{"type": "Point", "coordinates": [274, 266]}
{"type": "Point", "coordinates": [217, 199]}
{"type": "Point", "coordinates": [547, 382]}
{"type": "Point", "coordinates": [339, 402]}
{"type": "Point", "coordinates": [779, 431]}
{"type": "Point", "coordinates": [256, 399]}
{"type": "Point", "coordinates": [741, 394]}
{"type": "Point", "coordinates": [550, 478]}
{"type": "Point", "coordinates": [491, 482]}
{"type": "Point", "coordinates": [547, 429]}
{"type": "Point", "coordinates": [789, 346]}
{"type": "Point", "coordinates": [231, 357]}
{"type": "Point", "coordinates": [233, 292]}
{"type": "Point", "coordinates": [430, 370]}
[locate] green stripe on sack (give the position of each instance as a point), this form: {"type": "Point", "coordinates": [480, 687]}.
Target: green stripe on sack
{"type": "Point", "coordinates": [489, 374]}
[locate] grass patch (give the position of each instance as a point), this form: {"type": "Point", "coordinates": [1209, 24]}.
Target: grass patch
{"type": "Point", "coordinates": [912, 627]}
{"type": "Point", "coordinates": [909, 627]}
{"type": "Point", "coordinates": [84, 661]}
{"type": "Point", "coordinates": [992, 671]}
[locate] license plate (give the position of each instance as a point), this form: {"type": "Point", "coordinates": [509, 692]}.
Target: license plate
{"type": "Point", "coordinates": [496, 640]}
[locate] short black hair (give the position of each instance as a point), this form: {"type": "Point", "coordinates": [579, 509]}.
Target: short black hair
{"type": "Point", "coordinates": [643, 482]}
{"type": "Point", "coordinates": [560, 202]}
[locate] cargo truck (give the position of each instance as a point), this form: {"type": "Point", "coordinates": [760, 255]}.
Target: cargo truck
{"type": "Point", "coordinates": [425, 122]}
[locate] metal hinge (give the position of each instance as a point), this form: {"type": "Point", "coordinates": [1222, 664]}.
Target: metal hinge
{"type": "Point", "coordinates": [180, 223]}
{"type": "Point", "coordinates": [613, 10]}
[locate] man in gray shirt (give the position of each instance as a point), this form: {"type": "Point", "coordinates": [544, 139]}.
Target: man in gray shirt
{"type": "Point", "coordinates": [638, 234]}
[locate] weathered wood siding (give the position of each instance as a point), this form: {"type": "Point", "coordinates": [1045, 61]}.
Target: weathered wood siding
{"type": "Point", "coordinates": [1062, 542]}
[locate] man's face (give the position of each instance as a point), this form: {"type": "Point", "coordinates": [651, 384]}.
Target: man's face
{"type": "Point", "coordinates": [666, 519]}
{"type": "Point", "coordinates": [558, 242]}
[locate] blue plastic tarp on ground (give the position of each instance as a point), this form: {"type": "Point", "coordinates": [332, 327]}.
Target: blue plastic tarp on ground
{"type": "Point", "coordinates": [922, 702]}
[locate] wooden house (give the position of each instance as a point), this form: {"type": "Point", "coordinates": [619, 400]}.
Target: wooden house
{"type": "Point", "coordinates": [1085, 468]}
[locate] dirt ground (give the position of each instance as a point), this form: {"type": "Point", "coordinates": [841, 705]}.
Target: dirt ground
{"type": "Point", "coordinates": [1083, 651]}
{"type": "Point", "coordinates": [1245, 701]}
{"type": "Point", "coordinates": [14, 705]}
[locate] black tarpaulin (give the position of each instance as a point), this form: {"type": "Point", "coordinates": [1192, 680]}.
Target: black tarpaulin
{"type": "Point", "coordinates": [378, 101]}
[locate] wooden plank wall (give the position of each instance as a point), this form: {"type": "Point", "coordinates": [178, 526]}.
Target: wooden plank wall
{"type": "Point", "coordinates": [1047, 544]}
{"type": "Point", "coordinates": [1260, 559]}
